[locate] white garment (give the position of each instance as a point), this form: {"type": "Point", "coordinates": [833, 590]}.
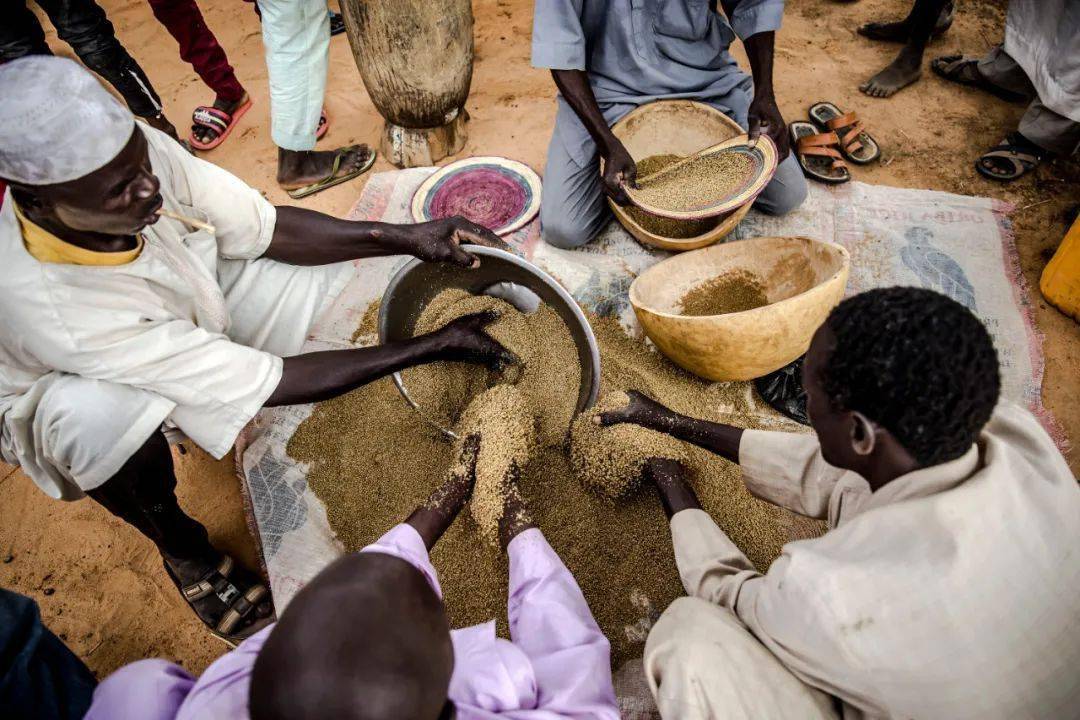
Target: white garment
{"type": "Point", "coordinates": [702, 663]}
{"type": "Point", "coordinates": [951, 592]}
{"type": "Point", "coordinates": [1043, 36]}
{"type": "Point", "coordinates": [196, 322]}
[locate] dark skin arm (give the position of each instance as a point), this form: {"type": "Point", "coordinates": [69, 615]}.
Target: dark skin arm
{"type": "Point", "coordinates": [322, 375]}
{"type": "Point", "coordinates": [764, 116]}
{"type": "Point", "coordinates": [619, 167]}
{"type": "Point", "coordinates": [306, 237]}
{"type": "Point", "coordinates": [715, 437]}
{"type": "Point", "coordinates": [432, 519]}
{"type": "Point", "coordinates": [672, 482]}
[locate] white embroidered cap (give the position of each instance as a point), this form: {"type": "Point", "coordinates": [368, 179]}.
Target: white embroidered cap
{"type": "Point", "coordinates": [57, 122]}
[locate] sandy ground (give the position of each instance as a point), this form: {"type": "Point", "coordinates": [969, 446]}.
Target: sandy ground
{"type": "Point", "coordinates": [102, 588]}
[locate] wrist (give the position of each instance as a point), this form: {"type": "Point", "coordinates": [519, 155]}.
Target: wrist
{"type": "Point", "coordinates": [396, 239]}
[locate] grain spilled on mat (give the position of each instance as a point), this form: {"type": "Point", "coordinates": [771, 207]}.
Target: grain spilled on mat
{"type": "Point", "coordinates": [372, 461]}
{"type": "Point", "coordinates": [505, 421]}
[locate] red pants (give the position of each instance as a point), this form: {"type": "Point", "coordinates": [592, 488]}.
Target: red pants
{"type": "Point", "coordinates": [198, 46]}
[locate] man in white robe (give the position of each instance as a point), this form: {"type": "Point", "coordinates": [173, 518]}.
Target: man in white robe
{"type": "Point", "coordinates": [948, 582]}
{"type": "Point", "coordinates": [117, 321]}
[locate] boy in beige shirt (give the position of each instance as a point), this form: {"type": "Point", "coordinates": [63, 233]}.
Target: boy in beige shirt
{"type": "Point", "coordinates": [948, 584]}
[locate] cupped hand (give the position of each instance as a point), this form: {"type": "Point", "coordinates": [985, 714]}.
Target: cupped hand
{"type": "Point", "coordinates": [441, 241]}
{"type": "Point", "coordinates": [764, 117]}
{"type": "Point", "coordinates": [641, 410]}
{"type": "Point", "coordinates": [466, 340]}
{"type": "Point", "coordinates": [619, 170]}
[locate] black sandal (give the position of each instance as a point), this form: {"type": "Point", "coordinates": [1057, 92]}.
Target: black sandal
{"type": "Point", "coordinates": [965, 71]}
{"type": "Point", "coordinates": [1020, 155]}
{"type": "Point", "coordinates": [238, 606]}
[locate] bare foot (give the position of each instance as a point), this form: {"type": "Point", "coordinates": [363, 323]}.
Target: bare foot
{"type": "Point", "coordinates": [901, 72]}
{"type": "Point", "coordinates": [206, 134]}
{"type": "Point", "coordinates": [299, 168]}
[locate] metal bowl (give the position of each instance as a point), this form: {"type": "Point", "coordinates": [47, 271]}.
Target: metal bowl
{"type": "Point", "coordinates": [503, 275]}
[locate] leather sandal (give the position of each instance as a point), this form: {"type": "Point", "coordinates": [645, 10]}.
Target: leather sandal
{"type": "Point", "coordinates": [238, 605]}
{"type": "Point", "coordinates": [818, 154]}
{"type": "Point", "coordinates": [855, 143]}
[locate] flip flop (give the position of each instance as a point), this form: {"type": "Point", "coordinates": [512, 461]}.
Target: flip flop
{"type": "Point", "coordinates": [324, 125]}
{"type": "Point", "coordinates": [965, 71]}
{"type": "Point", "coordinates": [855, 143]}
{"type": "Point", "coordinates": [1021, 158]}
{"type": "Point", "coordinates": [333, 178]}
{"type": "Point", "coordinates": [208, 116]}
{"type": "Point", "coordinates": [818, 153]}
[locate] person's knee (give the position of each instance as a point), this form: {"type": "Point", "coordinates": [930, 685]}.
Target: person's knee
{"type": "Point", "coordinates": [562, 230]}
{"type": "Point", "coordinates": [787, 190]}
{"type": "Point", "coordinates": [81, 423]}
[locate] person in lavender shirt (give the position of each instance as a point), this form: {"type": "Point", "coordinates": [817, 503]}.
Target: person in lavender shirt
{"type": "Point", "coordinates": [369, 639]}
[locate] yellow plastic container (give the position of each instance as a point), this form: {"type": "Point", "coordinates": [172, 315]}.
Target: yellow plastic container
{"type": "Point", "coordinates": [1060, 282]}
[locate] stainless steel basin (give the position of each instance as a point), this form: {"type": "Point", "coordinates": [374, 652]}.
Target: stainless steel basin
{"type": "Point", "coordinates": [501, 274]}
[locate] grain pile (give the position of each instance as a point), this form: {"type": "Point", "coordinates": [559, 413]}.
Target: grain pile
{"type": "Point", "coordinates": [504, 419]}
{"type": "Point", "coordinates": [373, 461]}
{"type": "Point", "coordinates": [610, 459]}
{"type": "Point", "coordinates": [703, 182]}
{"type": "Point", "coordinates": [734, 291]}
{"type": "Point", "coordinates": [549, 374]}
{"type": "Point", "coordinates": [662, 226]}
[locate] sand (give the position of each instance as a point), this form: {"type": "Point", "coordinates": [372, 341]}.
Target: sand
{"type": "Point", "coordinates": [735, 291]}
{"type": "Point", "coordinates": [610, 459]}
{"type": "Point", "coordinates": [112, 602]}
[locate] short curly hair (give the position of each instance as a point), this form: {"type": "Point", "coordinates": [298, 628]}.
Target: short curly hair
{"type": "Point", "coordinates": [916, 362]}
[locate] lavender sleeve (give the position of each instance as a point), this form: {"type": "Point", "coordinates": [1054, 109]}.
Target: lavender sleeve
{"type": "Point", "coordinates": [402, 541]}
{"type": "Point", "coordinates": [552, 624]}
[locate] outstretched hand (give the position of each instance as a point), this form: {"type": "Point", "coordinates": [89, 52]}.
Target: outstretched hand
{"type": "Point", "coordinates": [465, 340]}
{"type": "Point", "coordinates": [441, 240]}
{"type": "Point", "coordinates": [641, 410]}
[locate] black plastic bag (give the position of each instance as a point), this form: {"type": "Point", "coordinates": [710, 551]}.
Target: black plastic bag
{"type": "Point", "coordinates": [783, 390]}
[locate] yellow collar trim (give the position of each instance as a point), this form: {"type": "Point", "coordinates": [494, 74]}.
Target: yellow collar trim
{"type": "Point", "coordinates": [47, 248]}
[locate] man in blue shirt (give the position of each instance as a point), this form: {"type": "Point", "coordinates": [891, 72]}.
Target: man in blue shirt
{"type": "Point", "coordinates": [609, 56]}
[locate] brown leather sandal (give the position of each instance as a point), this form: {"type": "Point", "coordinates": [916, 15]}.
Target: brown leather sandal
{"type": "Point", "coordinates": [855, 143]}
{"type": "Point", "coordinates": [818, 154]}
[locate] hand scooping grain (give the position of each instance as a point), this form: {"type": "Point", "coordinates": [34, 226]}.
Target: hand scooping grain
{"type": "Point", "coordinates": [504, 421]}
{"type": "Point", "coordinates": [611, 459]}
{"type": "Point", "coordinates": [547, 374]}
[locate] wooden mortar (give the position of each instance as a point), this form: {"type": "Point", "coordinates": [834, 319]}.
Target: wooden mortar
{"type": "Point", "coordinates": [416, 60]}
